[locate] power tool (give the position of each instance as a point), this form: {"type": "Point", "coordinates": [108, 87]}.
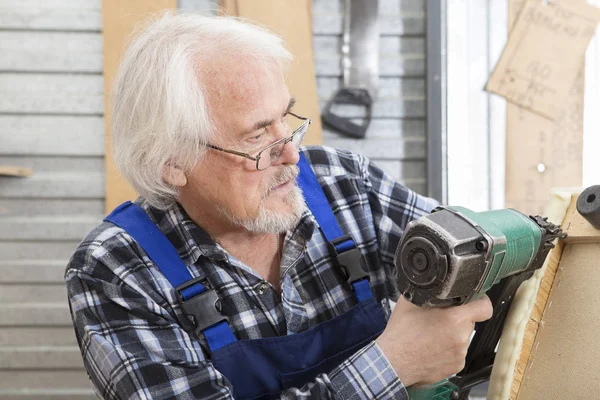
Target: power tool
{"type": "Point", "coordinates": [455, 255]}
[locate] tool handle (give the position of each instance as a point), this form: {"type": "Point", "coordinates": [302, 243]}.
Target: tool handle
{"type": "Point", "coordinates": [342, 124]}
{"type": "Point", "coordinates": [442, 390]}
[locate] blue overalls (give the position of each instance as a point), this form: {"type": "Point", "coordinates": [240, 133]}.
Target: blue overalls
{"type": "Point", "coordinates": [263, 368]}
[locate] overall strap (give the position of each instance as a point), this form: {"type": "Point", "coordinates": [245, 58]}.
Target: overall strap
{"type": "Point", "coordinates": [343, 246]}
{"type": "Point", "coordinates": [199, 303]}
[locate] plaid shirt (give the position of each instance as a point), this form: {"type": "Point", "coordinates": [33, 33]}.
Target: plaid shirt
{"type": "Point", "coordinates": [137, 344]}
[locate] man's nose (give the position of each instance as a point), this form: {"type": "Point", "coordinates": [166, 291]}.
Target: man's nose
{"type": "Point", "coordinates": [290, 154]}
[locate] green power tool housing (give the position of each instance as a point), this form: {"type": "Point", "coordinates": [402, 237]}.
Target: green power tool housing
{"type": "Point", "coordinates": [455, 255]}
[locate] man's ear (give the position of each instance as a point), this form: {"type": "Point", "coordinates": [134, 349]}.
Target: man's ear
{"type": "Point", "coordinates": [174, 175]}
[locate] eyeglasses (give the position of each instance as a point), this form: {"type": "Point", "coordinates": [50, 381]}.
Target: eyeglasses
{"type": "Point", "coordinates": [275, 149]}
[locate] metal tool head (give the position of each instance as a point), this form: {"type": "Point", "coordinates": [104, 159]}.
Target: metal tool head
{"type": "Point", "coordinates": [440, 258]}
{"type": "Point", "coordinates": [454, 255]}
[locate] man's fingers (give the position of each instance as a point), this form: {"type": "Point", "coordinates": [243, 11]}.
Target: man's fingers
{"type": "Point", "coordinates": [405, 305]}
{"type": "Point", "coordinates": [480, 310]}
{"type": "Point", "coordinates": [476, 311]}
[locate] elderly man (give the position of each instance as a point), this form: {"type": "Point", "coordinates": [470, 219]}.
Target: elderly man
{"type": "Point", "coordinates": [249, 267]}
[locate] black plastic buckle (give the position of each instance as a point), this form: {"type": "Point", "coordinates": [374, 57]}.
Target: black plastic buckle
{"type": "Point", "coordinates": [344, 125]}
{"type": "Point", "coordinates": [350, 261]}
{"type": "Point", "coordinates": [204, 309]}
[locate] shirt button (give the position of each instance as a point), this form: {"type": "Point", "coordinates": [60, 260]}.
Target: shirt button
{"type": "Point", "coordinates": [262, 288]}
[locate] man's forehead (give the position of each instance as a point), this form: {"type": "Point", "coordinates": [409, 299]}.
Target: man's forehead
{"type": "Point", "coordinates": [241, 83]}
{"type": "Point", "coordinates": [242, 93]}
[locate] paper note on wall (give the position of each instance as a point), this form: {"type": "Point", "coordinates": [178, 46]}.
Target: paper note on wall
{"type": "Point", "coordinates": [543, 154]}
{"type": "Point", "coordinates": [545, 51]}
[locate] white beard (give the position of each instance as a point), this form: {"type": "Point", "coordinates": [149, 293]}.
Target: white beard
{"type": "Point", "coordinates": [269, 221]}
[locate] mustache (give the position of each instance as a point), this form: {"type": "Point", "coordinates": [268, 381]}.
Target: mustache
{"type": "Point", "coordinates": [288, 173]}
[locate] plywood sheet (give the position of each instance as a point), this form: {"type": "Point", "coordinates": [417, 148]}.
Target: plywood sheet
{"type": "Point", "coordinates": [576, 254]}
{"type": "Point", "coordinates": [564, 359]}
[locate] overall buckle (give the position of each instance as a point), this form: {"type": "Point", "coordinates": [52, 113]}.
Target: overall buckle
{"type": "Point", "coordinates": [202, 310]}
{"type": "Point", "coordinates": [350, 261]}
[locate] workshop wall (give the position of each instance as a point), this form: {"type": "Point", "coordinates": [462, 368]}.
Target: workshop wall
{"type": "Point", "coordinates": [51, 120]}
{"type": "Point", "coordinates": [396, 136]}
{"type": "Point", "coordinates": [51, 107]}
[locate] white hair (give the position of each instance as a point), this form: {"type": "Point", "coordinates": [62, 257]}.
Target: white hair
{"type": "Point", "coordinates": [160, 114]}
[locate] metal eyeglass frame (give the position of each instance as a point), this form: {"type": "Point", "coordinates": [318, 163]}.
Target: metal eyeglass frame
{"type": "Point", "coordinates": [284, 140]}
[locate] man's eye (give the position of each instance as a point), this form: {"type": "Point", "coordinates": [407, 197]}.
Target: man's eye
{"type": "Point", "coordinates": [257, 138]}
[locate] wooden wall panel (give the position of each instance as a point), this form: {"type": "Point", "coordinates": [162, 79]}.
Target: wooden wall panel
{"type": "Point", "coordinates": [51, 51]}
{"type": "Point", "coordinates": [42, 93]}
{"type": "Point", "coordinates": [33, 271]}
{"type": "Point", "coordinates": [48, 15]}
{"type": "Point", "coordinates": [48, 381]}
{"type": "Point", "coordinates": [51, 120]}
{"type": "Point", "coordinates": [44, 135]}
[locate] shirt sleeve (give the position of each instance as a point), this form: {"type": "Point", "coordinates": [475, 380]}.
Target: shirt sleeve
{"type": "Point", "coordinates": [133, 349]}
{"type": "Point", "coordinates": [393, 206]}
{"type": "Point", "coordinates": [367, 375]}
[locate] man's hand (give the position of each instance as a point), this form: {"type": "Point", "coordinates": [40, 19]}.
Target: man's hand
{"type": "Point", "coordinates": [428, 345]}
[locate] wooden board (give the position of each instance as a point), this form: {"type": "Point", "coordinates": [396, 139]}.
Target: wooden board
{"type": "Point", "coordinates": [292, 20]}
{"type": "Point", "coordinates": [578, 229]}
{"type": "Point", "coordinates": [564, 360]}
{"type": "Point", "coordinates": [521, 323]}
{"type": "Point", "coordinates": [579, 233]}
{"type": "Point", "coordinates": [532, 140]}
{"type": "Point", "coordinates": [118, 20]}
{"type": "Point", "coordinates": [534, 320]}
{"type": "Point", "coordinates": [12, 170]}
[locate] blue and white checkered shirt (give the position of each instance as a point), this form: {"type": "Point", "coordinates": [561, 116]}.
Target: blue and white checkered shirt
{"type": "Point", "coordinates": [137, 344]}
